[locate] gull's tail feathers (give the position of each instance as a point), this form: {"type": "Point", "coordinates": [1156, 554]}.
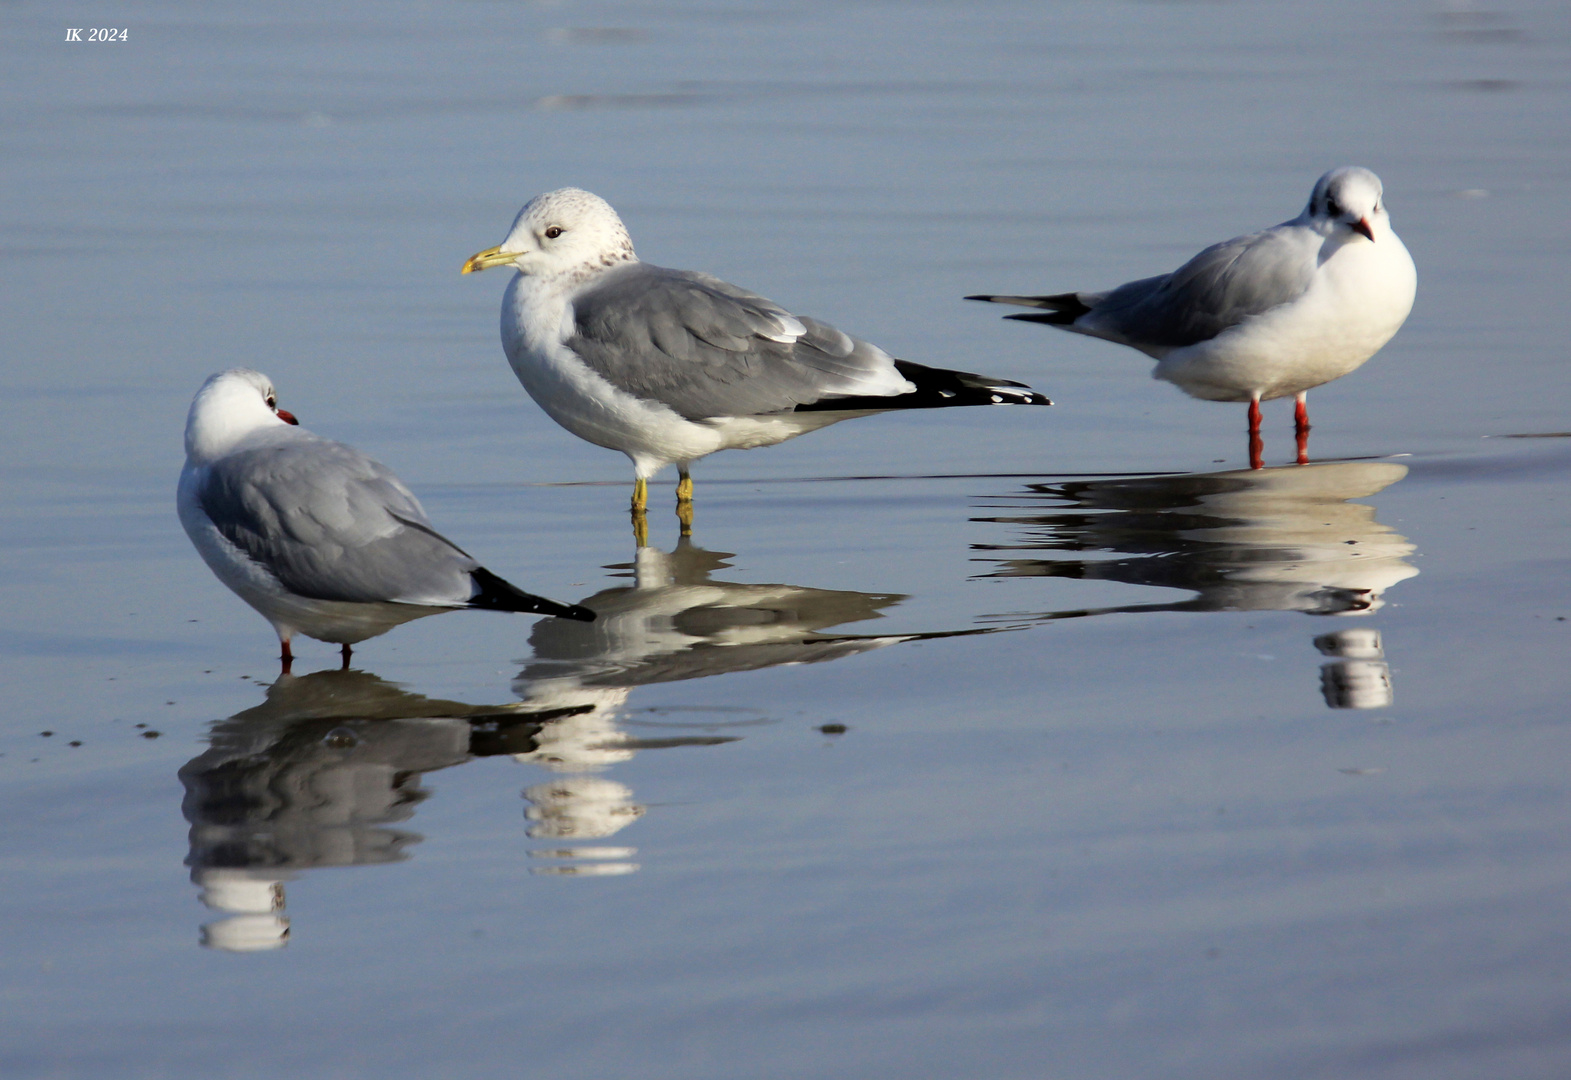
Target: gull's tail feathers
{"type": "Point", "coordinates": [1060, 310]}
{"type": "Point", "coordinates": [936, 388]}
{"type": "Point", "coordinates": [495, 594]}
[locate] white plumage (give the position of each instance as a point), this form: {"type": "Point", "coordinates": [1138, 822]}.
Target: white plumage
{"type": "Point", "coordinates": [1267, 315]}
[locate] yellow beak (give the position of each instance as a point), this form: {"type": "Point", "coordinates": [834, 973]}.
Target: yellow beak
{"type": "Point", "coordinates": [484, 260]}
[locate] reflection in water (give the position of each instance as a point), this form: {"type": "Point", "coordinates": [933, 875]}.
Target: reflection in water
{"type": "Point", "coordinates": [674, 622]}
{"type": "Point", "coordinates": [1285, 539]}
{"type": "Point", "coordinates": [1362, 680]}
{"type": "Point", "coordinates": [326, 768]}
{"type": "Point", "coordinates": [316, 776]}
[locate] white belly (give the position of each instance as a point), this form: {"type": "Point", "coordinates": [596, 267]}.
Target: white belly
{"type": "Point", "coordinates": [1355, 305]}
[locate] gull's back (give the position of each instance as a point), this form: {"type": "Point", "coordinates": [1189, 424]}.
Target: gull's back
{"type": "Point", "coordinates": [707, 348]}
{"type": "Point", "coordinates": [328, 522]}
{"type": "Point", "coordinates": [1219, 288]}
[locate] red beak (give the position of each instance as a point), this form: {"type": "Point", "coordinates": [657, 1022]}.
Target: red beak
{"type": "Point", "coordinates": [1363, 227]}
{"type": "Point", "coordinates": [286, 416]}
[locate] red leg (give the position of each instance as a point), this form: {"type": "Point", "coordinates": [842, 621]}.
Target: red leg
{"type": "Point", "coordinates": [345, 654]}
{"type": "Point", "coordinates": [1301, 428]}
{"type": "Point", "coordinates": [1256, 444]}
{"type": "Point", "coordinates": [285, 658]}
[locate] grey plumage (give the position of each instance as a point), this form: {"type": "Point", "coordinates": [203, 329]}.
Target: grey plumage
{"type": "Point", "coordinates": [1217, 289]}
{"type": "Point", "coordinates": [706, 348]}
{"type": "Point", "coordinates": [332, 524]}
{"type": "Point", "coordinates": [316, 536]}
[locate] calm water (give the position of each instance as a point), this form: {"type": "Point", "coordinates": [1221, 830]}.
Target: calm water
{"type": "Point", "coordinates": [1006, 743]}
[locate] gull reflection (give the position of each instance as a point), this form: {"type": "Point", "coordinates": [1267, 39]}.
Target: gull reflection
{"type": "Point", "coordinates": [329, 768]}
{"type": "Point", "coordinates": [318, 775]}
{"type": "Point", "coordinates": [1284, 539]}
{"type": "Point", "coordinates": [1362, 680]}
{"type": "Point", "coordinates": [674, 622]}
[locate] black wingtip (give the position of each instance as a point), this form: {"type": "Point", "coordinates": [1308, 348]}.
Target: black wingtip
{"type": "Point", "coordinates": [1060, 309]}
{"type": "Point", "coordinates": [937, 388]}
{"type": "Point", "coordinates": [942, 387]}
{"type": "Point", "coordinates": [498, 594]}
{"type": "Point", "coordinates": [1049, 318]}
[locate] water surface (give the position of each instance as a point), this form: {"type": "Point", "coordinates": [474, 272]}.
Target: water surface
{"type": "Point", "coordinates": [1007, 743]}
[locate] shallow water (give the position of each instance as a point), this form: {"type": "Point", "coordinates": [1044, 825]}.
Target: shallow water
{"type": "Point", "coordinates": [1008, 743]}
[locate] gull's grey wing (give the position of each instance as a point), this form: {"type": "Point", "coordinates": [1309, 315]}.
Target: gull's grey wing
{"type": "Point", "coordinates": [1219, 288]}
{"type": "Point", "coordinates": [707, 348]}
{"type": "Point", "coordinates": [332, 524]}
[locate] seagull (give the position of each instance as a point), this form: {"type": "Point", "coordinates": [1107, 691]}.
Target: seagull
{"type": "Point", "coordinates": [1266, 315]}
{"type": "Point", "coordinates": [670, 365]}
{"type": "Point", "coordinates": [319, 538]}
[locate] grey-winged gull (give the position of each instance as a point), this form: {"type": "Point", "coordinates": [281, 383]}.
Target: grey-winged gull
{"type": "Point", "coordinates": [670, 365]}
{"type": "Point", "coordinates": [319, 538]}
{"type": "Point", "coordinates": [1262, 316]}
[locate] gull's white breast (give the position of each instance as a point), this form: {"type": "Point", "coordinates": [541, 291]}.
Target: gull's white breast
{"type": "Point", "coordinates": [1357, 300]}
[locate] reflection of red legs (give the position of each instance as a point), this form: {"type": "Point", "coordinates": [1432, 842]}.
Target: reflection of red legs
{"type": "Point", "coordinates": [346, 652]}
{"type": "Point", "coordinates": [1256, 446]}
{"type": "Point", "coordinates": [1301, 426]}
{"type": "Point", "coordinates": [285, 658]}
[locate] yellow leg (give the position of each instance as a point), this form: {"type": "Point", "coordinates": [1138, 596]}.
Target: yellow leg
{"type": "Point", "coordinates": [640, 528]}
{"type": "Point", "coordinates": [684, 502]}
{"type": "Point", "coordinates": [640, 495]}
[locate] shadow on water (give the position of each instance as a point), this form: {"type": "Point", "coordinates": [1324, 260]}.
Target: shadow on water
{"type": "Point", "coordinates": [322, 772]}
{"type": "Point", "coordinates": [1283, 539]}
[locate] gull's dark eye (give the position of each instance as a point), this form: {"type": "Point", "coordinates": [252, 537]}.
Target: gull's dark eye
{"type": "Point", "coordinates": [272, 402]}
{"type": "Point", "coordinates": [553, 232]}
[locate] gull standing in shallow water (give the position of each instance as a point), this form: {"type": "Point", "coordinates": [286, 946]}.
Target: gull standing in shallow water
{"type": "Point", "coordinates": [670, 365]}
{"type": "Point", "coordinates": [1262, 316]}
{"type": "Point", "coordinates": [319, 538]}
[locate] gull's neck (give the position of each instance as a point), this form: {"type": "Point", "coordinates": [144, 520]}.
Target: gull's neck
{"type": "Point", "coordinates": [569, 281]}
{"type": "Point", "coordinates": [543, 305]}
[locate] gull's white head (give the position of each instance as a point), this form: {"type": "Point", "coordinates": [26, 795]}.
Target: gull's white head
{"type": "Point", "coordinates": [230, 406]}
{"type": "Point", "coordinates": [564, 232]}
{"type": "Point", "coordinates": [1349, 198]}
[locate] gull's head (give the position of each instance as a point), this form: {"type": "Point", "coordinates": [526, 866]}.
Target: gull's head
{"type": "Point", "coordinates": [1349, 198]}
{"type": "Point", "coordinates": [563, 232]}
{"type": "Point", "coordinates": [230, 406]}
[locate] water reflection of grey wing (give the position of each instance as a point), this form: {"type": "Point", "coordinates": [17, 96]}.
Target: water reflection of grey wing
{"type": "Point", "coordinates": [313, 777]}
{"type": "Point", "coordinates": [675, 622]}
{"type": "Point", "coordinates": [1286, 539]}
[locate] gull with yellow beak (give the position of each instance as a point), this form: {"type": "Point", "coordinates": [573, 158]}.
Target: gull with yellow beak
{"type": "Point", "coordinates": [670, 365]}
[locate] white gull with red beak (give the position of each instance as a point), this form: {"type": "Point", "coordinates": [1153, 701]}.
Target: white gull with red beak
{"type": "Point", "coordinates": [319, 538]}
{"type": "Point", "coordinates": [1268, 315]}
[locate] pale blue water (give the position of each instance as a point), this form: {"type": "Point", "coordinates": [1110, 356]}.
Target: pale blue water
{"type": "Point", "coordinates": [1005, 743]}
